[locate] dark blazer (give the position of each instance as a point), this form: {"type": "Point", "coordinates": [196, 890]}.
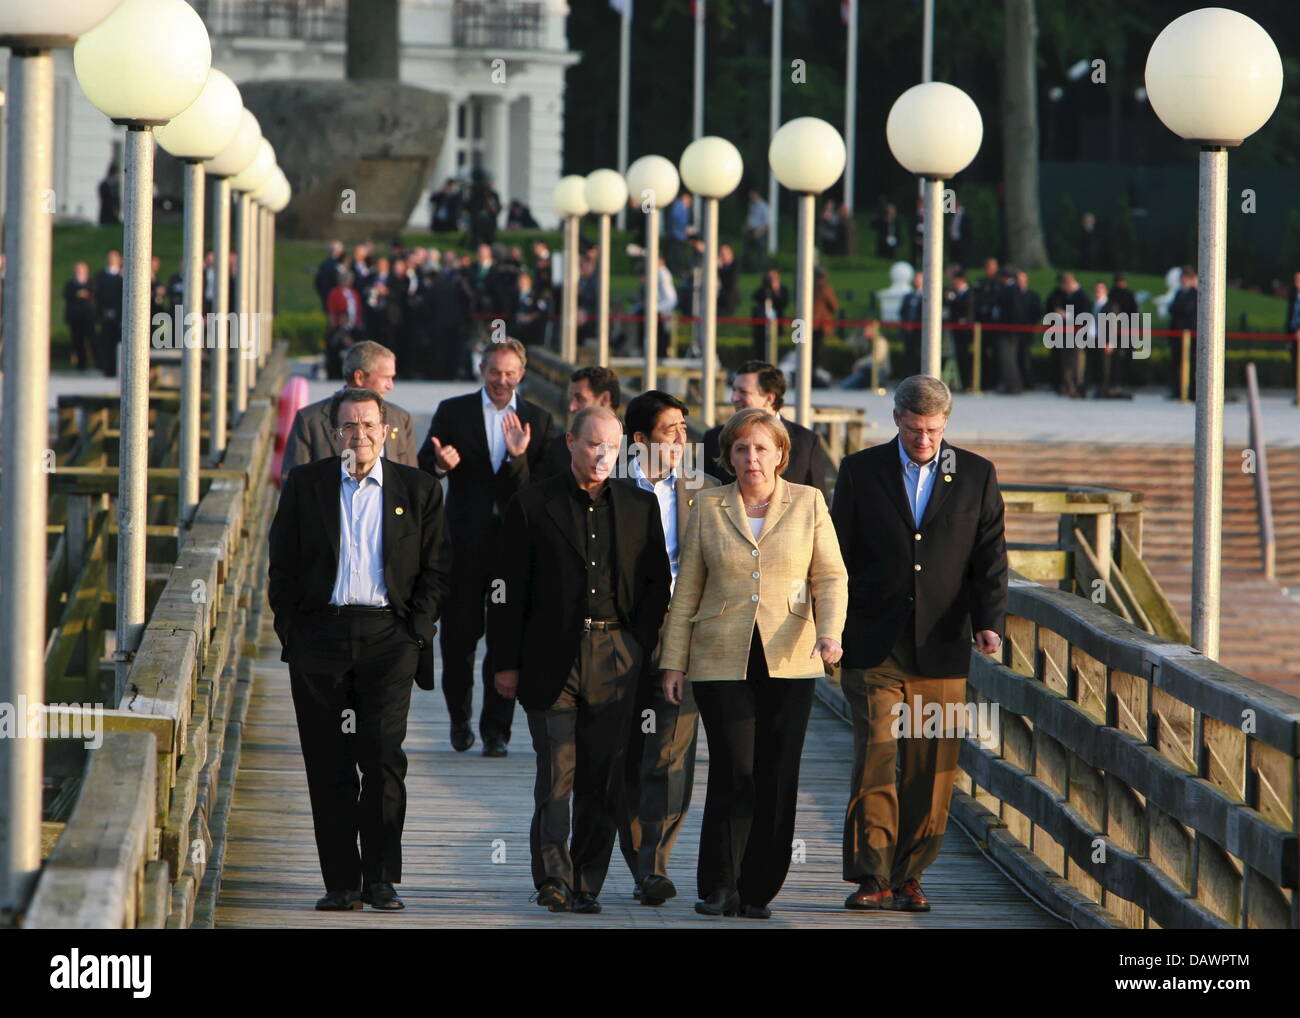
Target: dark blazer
{"type": "Point", "coordinates": [808, 463]}
{"type": "Point", "coordinates": [556, 459]}
{"type": "Point", "coordinates": [310, 437]}
{"type": "Point", "coordinates": [961, 586]}
{"type": "Point", "coordinates": [537, 623]}
{"type": "Point", "coordinates": [473, 490]}
{"type": "Point", "coordinates": [305, 549]}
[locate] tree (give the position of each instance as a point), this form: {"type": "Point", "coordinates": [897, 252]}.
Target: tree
{"type": "Point", "coordinates": [372, 48]}
{"type": "Point", "coordinates": [1020, 134]}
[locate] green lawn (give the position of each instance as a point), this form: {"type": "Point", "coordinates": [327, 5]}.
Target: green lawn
{"type": "Point", "coordinates": [855, 279]}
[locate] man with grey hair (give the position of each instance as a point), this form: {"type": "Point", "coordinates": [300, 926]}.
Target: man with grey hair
{"type": "Point", "coordinates": [365, 366]}
{"type": "Point", "coordinates": [488, 444]}
{"type": "Point", "coordinates": [920, 524]}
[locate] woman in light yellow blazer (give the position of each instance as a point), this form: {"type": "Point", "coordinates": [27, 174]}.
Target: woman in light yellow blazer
{"type": "Point", "coordinates": [756, 615]}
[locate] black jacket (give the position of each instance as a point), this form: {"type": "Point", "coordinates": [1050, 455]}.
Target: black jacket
{"type": "Point", "coordinates": [537, 623]}
{"type": "Point", "coordinates": [961, 586]}
{"type": "Point", "coordinates": [808, 463]}
{"type": "Point", "coordinates": [305, 549]}
{"type": "Point", "coordinates": [474, 493]}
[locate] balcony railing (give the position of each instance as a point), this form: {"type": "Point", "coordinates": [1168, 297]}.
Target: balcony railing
{"type": "Point", "coordinates": [494, 24]}
{"type": "Point", "coordinates": [306, 20]}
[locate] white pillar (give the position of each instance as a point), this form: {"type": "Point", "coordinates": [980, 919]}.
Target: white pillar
{"type": "Point", "coordinates": [501, 151]}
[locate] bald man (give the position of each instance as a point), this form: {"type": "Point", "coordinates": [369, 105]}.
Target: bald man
{"type": "Point", "coordinates": [584, 583]}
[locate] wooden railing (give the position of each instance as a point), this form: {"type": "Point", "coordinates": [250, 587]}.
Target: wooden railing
{"type": "Point", "coordinates": [148, 822]}
{"type": "Point", "coordinates": [1160, 785]}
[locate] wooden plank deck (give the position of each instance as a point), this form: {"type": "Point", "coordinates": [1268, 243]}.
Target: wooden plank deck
{"type": "Point", "coordinates": [461, 807]}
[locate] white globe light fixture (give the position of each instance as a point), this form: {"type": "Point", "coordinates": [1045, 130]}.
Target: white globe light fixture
{"type": "Point", "coordinates": [807, 155]}
{"type": "Point", "coordinates": [570, 200]}
{"type": "Point", "coordinates": [206, 127]}
{"type": "Point", "coordinates": [252, 176]}
{"type": "Point", "coordinates": [1213, 77]}
{"type": "Point", "coordinates": [141, 66]}
{"type": "Point", "coordinates": [30, 29]}
{"type": "Point", "coordinates": [208, 124]}
{"type": "Point", "coordinates": [652, 183]}
{"type": "Point", "coordinates": [934, 130]}
{"type": "Point", "coordinates": [711, 167]}
{"type": "Point", "coordinates": [606, 194]}
{"type": "Point", "coordinates": [240, 150]}
{"type": "Point", "coordinates": [144, 63]}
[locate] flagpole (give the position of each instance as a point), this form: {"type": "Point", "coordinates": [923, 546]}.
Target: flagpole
{"type": "Point", "coordinates": [773, 122]}
{"type": "Point", "coordinates": [624, 73]}
{"type": "Point", "coordinates": [851, 105]}
{"type": "Point", "coordinates": [697, 119]}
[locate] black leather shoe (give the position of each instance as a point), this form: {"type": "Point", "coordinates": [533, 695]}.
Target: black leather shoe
{"type": "Point", "coordinates": [462, 737]}
{"type": "Point", "coordinates": [655, 890]}
{"type": "Point", "coordinates": [494, 747]}
{"type": "Point", "coordinates": [339, 901]}
{"type": "Point", "coordinates": [382, 896]}
{"type": "Point", "coordinates": [554, 895]}
{"type": "Point", "coordinates": [719, 903]}
{"type": "Point", "coordinates": [585, 901]}
{"type": "Point", "coordinates": [755, 912]}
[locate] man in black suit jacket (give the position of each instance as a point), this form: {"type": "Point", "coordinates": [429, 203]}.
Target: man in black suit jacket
{"type": "Point", "coordinates": [590, 385]}
{"type": "Point", "coordinates": [1182, 316]}
{"type": "Point", "coordinates": [920, 524]}
{"type": "Point", "coordinates": [584, 582]}
{"type": "Point", "coordinates": [356, 588]}
{"type": "Point", "coordinates": [760, 384]}
{"type": "Point", "coordinates": [485, 463]}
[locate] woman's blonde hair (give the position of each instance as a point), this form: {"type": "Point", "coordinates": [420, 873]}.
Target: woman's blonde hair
{"type": "Point", "coordinates": [741, 422]}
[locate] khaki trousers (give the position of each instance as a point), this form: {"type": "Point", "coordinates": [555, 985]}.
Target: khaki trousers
{"type": "Point", "coordinates": [898, 794]}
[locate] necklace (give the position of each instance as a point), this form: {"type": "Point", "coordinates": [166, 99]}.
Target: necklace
{"type": "Point", "coordinates": [763, 506]}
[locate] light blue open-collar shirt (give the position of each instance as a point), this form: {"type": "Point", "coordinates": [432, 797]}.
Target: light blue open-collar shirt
{"type": "Point", "coordinates": [360, 577]}
{"type": "Point", "coordinates": [918, 482]}
{"type": "Point", "coordinates": [492, 418]}
{"type": "Point", "coordinates": [666, 492]}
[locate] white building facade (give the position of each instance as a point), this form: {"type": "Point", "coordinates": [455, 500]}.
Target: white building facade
{"type": "Point", "coordinates": [500, 63]}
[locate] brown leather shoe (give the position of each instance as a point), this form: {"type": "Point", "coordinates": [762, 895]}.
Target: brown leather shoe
{"type": "Point", "coordinates": [873, 893]}
{"type": "Point", "coordinates": [910, 898]}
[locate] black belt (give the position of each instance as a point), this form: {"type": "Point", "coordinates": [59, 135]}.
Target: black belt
{"type": "Point", "coordinates": [605, 624]}
{"type": "Point", "coordinates": [355, 609]}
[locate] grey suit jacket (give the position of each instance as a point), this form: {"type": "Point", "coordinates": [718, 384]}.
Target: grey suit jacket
{"type": "Point", "coordinates": [310, 438]}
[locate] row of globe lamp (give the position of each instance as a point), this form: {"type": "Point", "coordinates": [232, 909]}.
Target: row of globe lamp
{"type": "Point", "coordinates": [31, 31]}
{"type": "Point", "coordinates": [807, 155]}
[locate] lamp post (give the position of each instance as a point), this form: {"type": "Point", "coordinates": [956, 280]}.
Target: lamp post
{"type": "Point", "coordinates": [203, 130]}
{"type": "Point", "coordinates": [934, 130]}
{"type": "Point", "coordinates": [606, 194]}
{"type": "Point", "coordinates": [30, 31]}
{"type": "Point", "coordinates": [1213, 77]}
{"type": "Point", "coordinates": [807, 156]}
{"type": "Point", "coordinates": [571, 203]}
{"type": "Point", "coordinates": [652, 183]}
{"type": "Point", "coordinates": [233, 159]}
{"type": "Point", "coordinates": [142, 66]}
{"type": "Point", "coordinates": [244, 348]}
{"type": "Point", "coordinates": [711, 167]}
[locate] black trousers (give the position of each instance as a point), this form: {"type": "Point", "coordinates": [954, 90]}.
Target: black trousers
{"type": "Point", "coordinates": [83, 343]}
{"type": "Point", "coordinates": [755, 730]}
{"type": "Point", "coordinates": [580, 741]}
{"type": "Point", "coordinates": [659, 776]}
{"type": "Point", "coordinates": [463, 624]}
{"type": "Point", "coordinates": [351, 682]}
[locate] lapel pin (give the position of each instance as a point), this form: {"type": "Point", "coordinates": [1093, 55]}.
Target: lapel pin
{"type": "Point", "coordinates": [690, 502]}
{"type": "Point", "coordinates": [399, 510]}
{"type": "Point", "coordinates": [947, 477]}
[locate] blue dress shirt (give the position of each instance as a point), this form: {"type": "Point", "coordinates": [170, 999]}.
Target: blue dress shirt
{"type": "Point", "coordinates": [360, 577]}
{"type": "Point", "coordinates": [918, 482]}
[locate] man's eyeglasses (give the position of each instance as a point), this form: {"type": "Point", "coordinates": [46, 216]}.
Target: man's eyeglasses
{"type": "Point", "coordinates": [931, 433]}
{"type": "Point", "coordinates": [355, 427]}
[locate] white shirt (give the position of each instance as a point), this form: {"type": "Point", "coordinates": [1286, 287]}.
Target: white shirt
{"type": "Point", "coordinates": [756, 525]}
{"type": "Point", "coordinates": [360, 576]}
{"type": "Point", "coordinates": [492, 418]}
{"type": "Point", "coordinates": [666, 492]}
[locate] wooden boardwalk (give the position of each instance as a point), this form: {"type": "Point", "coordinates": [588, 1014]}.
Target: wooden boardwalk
{"type": "Point", "coordinates": [464, 812]}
